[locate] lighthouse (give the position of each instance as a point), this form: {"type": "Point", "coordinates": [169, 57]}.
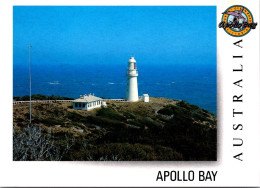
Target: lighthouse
{"type": "Point", "coordinates": [132, 87]}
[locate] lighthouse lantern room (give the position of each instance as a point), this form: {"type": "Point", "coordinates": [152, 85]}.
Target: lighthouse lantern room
{"type": "Point", "coordinates": [132, 87]}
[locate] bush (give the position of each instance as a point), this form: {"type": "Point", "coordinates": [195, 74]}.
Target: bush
{"type": "Point", "coordinates": [133, 152]}
{"type": "Point", "coordinates": [73, 116]}
{"type": "Point", "coordinates": [50, 121]}
{"type": "Point", "coordinates": [167, 110]}
{"type": "Point", "coordinates": [111, 114]}
{"type": "Point", "coordinates": [30, 144]}
{"type": "Point", "coordinates": [105, 122]}
{"type": "Point", "coordinates": [16, 98]}
{"type": "Point", "coordinates": [25, 98]}
{"type": "Point", "coordinates": [41, 97]}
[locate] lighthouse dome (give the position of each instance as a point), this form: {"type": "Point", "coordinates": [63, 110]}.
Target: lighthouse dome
{"type": "Point", "coordinates": [132, 60]}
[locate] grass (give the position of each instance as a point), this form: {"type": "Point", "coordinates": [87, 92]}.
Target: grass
{"type": "Point", "coordinates": [163, 129]}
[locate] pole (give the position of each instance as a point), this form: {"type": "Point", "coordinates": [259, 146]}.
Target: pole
{"type": "Point", "coordinates": [30, 78]}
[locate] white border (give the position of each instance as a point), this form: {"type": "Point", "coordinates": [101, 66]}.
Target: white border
{"type": "Point", "coordinates": [230, 171]}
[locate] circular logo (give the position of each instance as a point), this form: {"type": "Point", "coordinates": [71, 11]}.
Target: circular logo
{"type": "Point", "coordinates": [237, 21]}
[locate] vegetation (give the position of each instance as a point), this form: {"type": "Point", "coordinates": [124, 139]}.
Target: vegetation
{"type": "Point", "coordinates": [163, 130]}
{"type": "Point", "coordinates": [40, 97]}
{"type": "Point", "coordinates": [31, 144]}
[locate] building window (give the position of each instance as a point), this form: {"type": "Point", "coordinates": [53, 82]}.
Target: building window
{"type": "Point", "coordinates": [83, 105]}
{"type": "Point", "coordinates": [80, 105]}
{"type": "Point", "coordinates": [76, 104]}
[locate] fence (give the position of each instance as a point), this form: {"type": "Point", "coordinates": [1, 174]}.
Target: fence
{"type": "Point", "coordinates": [53, 101]}
{"type": "Point", "coordinates": [42, 101]}
{"type": "Point", "coordinates": [120, 100]}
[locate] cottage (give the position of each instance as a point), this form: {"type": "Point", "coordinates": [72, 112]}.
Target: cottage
{"type": "Point", "coordinates": [88, 102]}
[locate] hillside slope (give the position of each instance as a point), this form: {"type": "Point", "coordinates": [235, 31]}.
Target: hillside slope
{"type": "Point", "coordinates": [163, 129]}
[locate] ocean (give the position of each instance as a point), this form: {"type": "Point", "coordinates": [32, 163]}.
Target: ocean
{"type": "Point", "coordinates": [196, 84]}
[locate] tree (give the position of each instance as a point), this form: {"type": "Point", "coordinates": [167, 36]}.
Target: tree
{"type": "Point", "coordinates": [30, 144]}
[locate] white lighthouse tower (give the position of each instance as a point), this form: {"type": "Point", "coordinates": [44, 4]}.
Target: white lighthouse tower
{"type": "Point", "coordinates": [132, 88]}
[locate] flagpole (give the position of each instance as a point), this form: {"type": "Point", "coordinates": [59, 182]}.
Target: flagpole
{"type": "Point", "coordinates": [30, 78]}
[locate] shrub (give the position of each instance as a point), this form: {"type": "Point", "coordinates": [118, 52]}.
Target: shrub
{"type": "Point", "coordinates": [41, 97]}
{"type": "Point", "coordinates": [51, 121]}
{"type": "Point", "coordinates": [110, 113]}
{"type": "Point", "coordinates": [129, 115]}
{"type": "Point", "coordinates": [105, 122]}
{"type": "Point", "coordinates": [133, 152]}
{"type": "Point", "coordinates": [30, 144]}
{"type": "Point", "coordinates": [25, 98]}
{"type": "Point", "coordinates": [73, 116]}
{"type": "Point", "coordinates": [17, 98]}
{"type": "Point", "coordinates": [167, 110]}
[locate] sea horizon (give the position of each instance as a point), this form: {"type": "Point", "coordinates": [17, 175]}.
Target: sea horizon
{"type": "Point", "coordinates": [85, 49]}
{"type": "Point", "coordinates": [194, 83]}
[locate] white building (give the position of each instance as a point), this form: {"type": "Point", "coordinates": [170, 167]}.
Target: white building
{"type": "Point", "coordinates": [145, 98]}
{"type": "Point", "coordinates": [88, 102]}
{"type": "Point", "coordinates": [132, 87]}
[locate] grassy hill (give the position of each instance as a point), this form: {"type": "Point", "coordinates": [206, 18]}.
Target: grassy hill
{"type": "Point", "coordinates": [164, 130]}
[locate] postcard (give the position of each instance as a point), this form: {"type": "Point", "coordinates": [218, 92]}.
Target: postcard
{"type": "Point", "coordinates": [130, 94]}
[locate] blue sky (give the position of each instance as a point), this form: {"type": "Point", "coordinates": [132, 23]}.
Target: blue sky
{"type": "Point", "coordinates": [111, 34]}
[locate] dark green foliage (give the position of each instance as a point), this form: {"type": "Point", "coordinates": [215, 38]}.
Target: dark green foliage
{"type": "Point", "coordinates": [133, 131]}
{"type": "Point", "coordinates": [41, 97]}
{"type": "Point", "coordinates": [16, 98]}
{"type": "Point", "coordinates": [25, 98]}
{"type": "Point", "coordinates": [195, 140]}
{"type": "Point", "coordinates": [166, 111]}
{"type": "Point", "coordinates": [105, 122]}
{"type": "Point", "coordinates": [73, 116]}
{"type": "Point", "coordinates": [27, 115]}
{"type": "Point", "coordinates": [50, 121]}
{"type": "Point", "coordinates": [149, 122]}
{"type": "Point", "coordinates": [129, 115]}
{"type": "Point", "coordinates": [111, 114]}
{"type": "Point", "coordinates": [129, 152]}
{"type": "Point", "coordinates": [137, 123]}
{"type": "Point", "coordinates": [19, 120]}
{"type": "Point", "coordinates": [194, 111]}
